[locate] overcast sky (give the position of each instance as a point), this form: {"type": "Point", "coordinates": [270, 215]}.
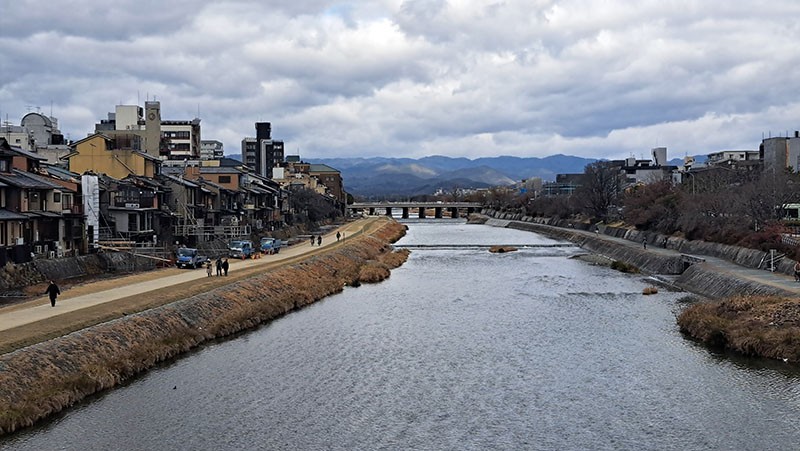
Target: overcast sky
{"type": "Point", "coordinates": [596, 79]}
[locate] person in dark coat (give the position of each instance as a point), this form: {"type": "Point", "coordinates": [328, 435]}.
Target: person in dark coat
{"type": "Point", "coordinates": [312, 239]}
{"type": "Point", "coordinates": [219, 266]}
{"type": "Point", "coordinates": [319, 240]}
{"type": "Point", "coordinates": [53, 291]}
{"type": "Point", "coordinates": [225, 266]}
{"type": "Point", "coordinates": [338, 236]}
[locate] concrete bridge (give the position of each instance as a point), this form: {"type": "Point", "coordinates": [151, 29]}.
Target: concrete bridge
{"type": "Point", "coordinates": [454, 209]}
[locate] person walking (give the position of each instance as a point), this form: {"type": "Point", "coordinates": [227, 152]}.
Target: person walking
{"type": "Point", "coordinates": [225, 266]}
{"type": "Point", "coordinates": [644, 243]}
{"type": "Point", "coordinates": [338, 236]}
{"type": "Point", "coordinates": [312, 239]}
{"type": "Point", "coordinates": [219, 266]}
{"type": "Point", "coordinates": [797, 272]}
{"type": "Point", "coordinates": [53, 291]}
{"type": "Point", "coordinates": [208, 268]}
{"type": "Point", "coordinates": [319, 240]}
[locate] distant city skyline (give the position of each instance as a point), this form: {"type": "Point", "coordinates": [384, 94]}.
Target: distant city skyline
{"type": "Point", "coordinates": [413, 78]}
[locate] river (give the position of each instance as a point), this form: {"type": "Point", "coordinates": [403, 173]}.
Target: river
{"type": "Point", "coordinates": [460, 349]}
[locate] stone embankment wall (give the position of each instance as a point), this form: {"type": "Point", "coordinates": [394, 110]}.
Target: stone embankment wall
{"type": "Point", "coordinates": [698, 278]}
{"type": "Point", "coordinates": [14, 277]}
{"type": "Point", "coordinates": [656, 264]}
{"type": "Point", "coordinates": [712, 284]}
{"type": "Point", "coordinates": [43, 379]}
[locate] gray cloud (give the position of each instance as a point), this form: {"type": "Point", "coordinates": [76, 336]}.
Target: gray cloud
{"type": "Point", "coordinates": [418, 77]}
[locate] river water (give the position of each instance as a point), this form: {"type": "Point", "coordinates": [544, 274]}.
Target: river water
{"type": "Point", "coordinates": [460, 349]}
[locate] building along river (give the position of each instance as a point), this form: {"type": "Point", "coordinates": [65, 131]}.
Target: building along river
{"type": "Point", "coordinates": [459, 349]}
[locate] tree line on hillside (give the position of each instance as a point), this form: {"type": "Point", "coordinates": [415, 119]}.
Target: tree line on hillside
{"type": "Point", "coordinates": [726, 206]}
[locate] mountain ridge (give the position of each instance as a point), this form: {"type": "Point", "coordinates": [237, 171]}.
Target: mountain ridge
{"type": "Point", "coordinates": [390, 176]}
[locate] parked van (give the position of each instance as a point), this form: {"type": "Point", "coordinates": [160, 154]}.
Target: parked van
{"type": "Point", "coordinates": [270, 245]}
{"type": "Point", "coordinates": [240, 249]}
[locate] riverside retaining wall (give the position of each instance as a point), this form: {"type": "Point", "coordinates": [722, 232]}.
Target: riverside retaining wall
{"type": "Point", "coordinates": [43, 379]}
{"type": "Point", "coordinates": [16, 276]}
{"type": "Point", "coordinates": [750, 258]}
{"type": "Point", "coordinates": [655, 264]}
{"type": "Point", "coordinates": [699, 278]}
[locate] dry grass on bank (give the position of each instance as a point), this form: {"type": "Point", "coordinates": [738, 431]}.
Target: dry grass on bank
{"type": "Point", "coordinates": [43, 379]}
{"type": "Point", "coordinates": [378, 270]}
{"type": "Point", "coordinates": [755, 326]}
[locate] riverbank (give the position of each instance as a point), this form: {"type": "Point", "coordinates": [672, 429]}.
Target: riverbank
{"type": "Point", "coordinates": [754, 326]}
{"type": "Point", "coordinates": [45, 378]}
{"type": "Point", "coordinates": [743, 309]}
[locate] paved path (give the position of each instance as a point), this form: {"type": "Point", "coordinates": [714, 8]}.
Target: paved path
{"type": "Point", "coordinates": [40, 308]}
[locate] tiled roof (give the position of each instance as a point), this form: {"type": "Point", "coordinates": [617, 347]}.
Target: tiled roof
{"type": "Point", "coordinates": [6, 215]}
{"type": "Point", "coordinates": [321, 168]}
{"type": "Point", "coordinates": [220, 170]}
{"type": "Point", "coordinates": [22, 179]}
{"type": "Point", "coordinates": [181, 181]}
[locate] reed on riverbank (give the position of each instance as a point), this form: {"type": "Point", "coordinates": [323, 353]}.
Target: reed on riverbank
{"type": "Point", "coordinates": [43, 379]}
{"type": "Point", "coordinates": [380, 269]}
{"type": "Point", "coordinates": [763, 326]}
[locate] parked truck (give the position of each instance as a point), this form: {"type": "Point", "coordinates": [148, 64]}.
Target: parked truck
{"type": "Point", "coordinates": [270, 245]}
{"type": "Point", "coordinates": [188, 257]}
{"type": "Point", "coordinates": [240, 249]}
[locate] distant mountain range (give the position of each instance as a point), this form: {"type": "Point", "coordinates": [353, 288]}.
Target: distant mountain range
{"type": "Point", "coordinates": [387, 177]}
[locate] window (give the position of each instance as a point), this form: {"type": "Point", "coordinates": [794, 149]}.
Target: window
{"type": "Point", "coordinates": [3, 165]}
{"type": "Point", "coordinates": [57, 197]}
{"type": "Point", "coordinates": [224, 179]}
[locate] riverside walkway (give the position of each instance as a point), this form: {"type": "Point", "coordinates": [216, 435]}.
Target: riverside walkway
{"type": "Point", "coordinates": [152, 284]}
{"type": "Point", "coordinates": [776, 280]}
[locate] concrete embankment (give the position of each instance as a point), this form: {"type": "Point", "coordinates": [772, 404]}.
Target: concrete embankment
{"type": "Point", "coordinates": [663, 256]}
{"type": "Point", "coordinates": [43, 379]}
{"type": "Point", "coordinates": [656, 264]}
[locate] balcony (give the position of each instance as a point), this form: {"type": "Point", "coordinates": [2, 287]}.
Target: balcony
{"type": "Point", "coordinates": [134, 204]}
{"type": "Point", "coordinates": [72, 209]}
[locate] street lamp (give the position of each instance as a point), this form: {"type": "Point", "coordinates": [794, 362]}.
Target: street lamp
{"type": "Point", "coordinates": [689, 173]}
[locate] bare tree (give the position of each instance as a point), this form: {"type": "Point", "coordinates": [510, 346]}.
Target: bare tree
{"type": "Point", "coordinates": [653, 207]}
{"type": "Point", "coordinates": [601, 189]}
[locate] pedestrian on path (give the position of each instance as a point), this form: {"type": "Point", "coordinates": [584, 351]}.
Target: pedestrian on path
{"type": "Point", "coordinates": [225, 266]}
{"type": "Point", "coordinates": [53, 291]}
{"type": "Point", "coordinates": [319, 240]}
{"type": "Point", "coordinates": [338, 235]}
{"type": "Point", "coordinates": [219, 266]}
{"type": "Point", "coordinates": [208, 268]}
{"type": "Point", "coordinates": [312, 239]}
{"type": "Point", "coordinates": [644, 243]}
{"type": "Point", "coordinates": [797, 272]}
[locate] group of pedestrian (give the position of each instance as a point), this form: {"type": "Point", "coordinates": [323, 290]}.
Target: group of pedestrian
{"type": "Point", "coordinates": [318, 239]}
{"type": "Point", "coordinates": [222, 267]}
